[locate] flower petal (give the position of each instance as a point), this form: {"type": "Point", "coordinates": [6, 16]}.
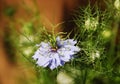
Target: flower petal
{"type": "Point", "coordinates": [43, 61]}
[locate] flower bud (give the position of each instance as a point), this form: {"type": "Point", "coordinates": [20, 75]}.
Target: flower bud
{"type": "Point", "coordinates": [117, 4]}
{"type": "Point", "coordinates": [27, 28]}
{"type": "Point", "coordinates": [63, 78]}
{"type": "Point", "coordinates": [28, 51]}
{"type": "Point", "coordinates": [95, 55]}
{"type": "Point", "coordinates": [91, 23]}
{"type": "Point", "coordinates": [106, 33]}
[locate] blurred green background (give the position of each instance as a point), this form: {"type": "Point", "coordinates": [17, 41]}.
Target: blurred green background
{"type": "Point", "coordinates": [95, 24]}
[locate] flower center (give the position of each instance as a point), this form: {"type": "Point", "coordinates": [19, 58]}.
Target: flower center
{"type": "Point", "coordinates": [54, 49]}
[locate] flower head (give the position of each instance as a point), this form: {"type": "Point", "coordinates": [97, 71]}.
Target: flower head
{"type": "Point", "coordinates": [52, 57]}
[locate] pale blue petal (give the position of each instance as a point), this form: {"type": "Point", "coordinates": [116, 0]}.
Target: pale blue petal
{"type": "Point", "coordinates": [55, 62]}
{"type": "Point", "coordinates": [70, 42]}
{"type": "Point", "coordinates": [65, 57]}
{"type": "Point", "coordinates": [58, 39]}
{"type": "Point", "coordinates": [44, 45]}
{"type": "Point", "coordinates": [43, 61]}
{"type": "Point", "coordinates": [57, 58]}
{"type": "Point", "coordinates": [72, 48]}
{"type": "Point", "coordinates": [52, 65]}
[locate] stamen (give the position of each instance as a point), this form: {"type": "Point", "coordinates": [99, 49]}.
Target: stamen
{"type": "Point", "coordinates": [54, 49]}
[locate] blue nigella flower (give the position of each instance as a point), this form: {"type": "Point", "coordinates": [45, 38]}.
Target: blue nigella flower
{"type": "Point", "coordinates": [52, 57]}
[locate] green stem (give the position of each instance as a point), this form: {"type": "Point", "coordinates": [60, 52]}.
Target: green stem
{"type": "Point", "coordinates": [84, 76]}
{"type": "Point", "coordinates": [113, 44]}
